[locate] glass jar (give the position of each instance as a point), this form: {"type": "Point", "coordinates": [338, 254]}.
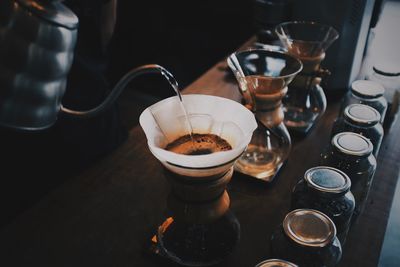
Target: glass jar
{"type": "Point", "coordinates": [388, 74]}
{"type": "Point", "coordinates": [352, 154]}
{"type": "Point", "coordinates": [276, 263]}
{"type": "Point", "coordinates": [361, 119]}
{"type": "Point", "coordinates": [369, 93]}
{"type": "Point", "coordinates": [328, 190]}
{"type": "Point", "coordinates": [308, 238]}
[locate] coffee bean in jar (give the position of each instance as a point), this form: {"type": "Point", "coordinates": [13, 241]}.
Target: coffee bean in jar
{"type": "Point", "coordinates": [352, 154]}
{"type": "Point", "coordinates": [361, 119]}
{"type": "Point", "coordinates": [328, 190]}
{"type": "Point", "coordinates": [307, 237]}
{"type": "Point", "coordinates": [366, 92]}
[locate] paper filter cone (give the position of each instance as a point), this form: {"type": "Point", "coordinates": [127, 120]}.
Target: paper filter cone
{"type": "Point", "coordinates": [165, 121]}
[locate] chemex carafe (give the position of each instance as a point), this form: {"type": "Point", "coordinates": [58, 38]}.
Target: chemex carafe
{"type": "Point", "coordinates": [37, 42]}
{"type": "Point", "coordinates": [263, 77]}
{"type": "Point", "coordinates": [200, 229]}
{"type": "Point", "coordinates": [305, 101]}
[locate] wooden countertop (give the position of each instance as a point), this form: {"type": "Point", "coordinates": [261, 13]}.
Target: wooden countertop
{"type": "Point", "coordinates": [105, 215]}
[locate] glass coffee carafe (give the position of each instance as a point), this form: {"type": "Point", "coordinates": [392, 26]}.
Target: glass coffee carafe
{"type": "Point", "coordinates": [200, 229]}
{"type": "Point", "coordinates": [305, 101]}
{"type": "Point", "coordinates": [263, 77]}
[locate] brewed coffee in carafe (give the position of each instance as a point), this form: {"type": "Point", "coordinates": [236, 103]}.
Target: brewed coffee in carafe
{"type": "Point", "coordinates": [263, 77]}
{"type": "Point", "coordinates": [305, 101]}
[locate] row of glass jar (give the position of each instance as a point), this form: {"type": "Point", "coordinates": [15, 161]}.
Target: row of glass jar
{"type": "Point", "coordinates": [324, 207]}
{"type": "Point", "coordinates": [330, 197]}
{"type": "Point", "coordinates": [363, 111]}
{"type": "Point", "coordinates": [312, 234]}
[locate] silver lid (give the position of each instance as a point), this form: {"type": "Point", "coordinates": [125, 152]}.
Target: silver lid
{"type": "Point", "coordinates": [276, 263]}
{"type": "Point", "coordinates": [310, 228]}
{"type": "Point", "coordinates": [362, 115]}
{"type": "Point", "coordinates": [367, 89]}
{"type": "Point", "coordinates": [352, 144]}
{"type": "Point", "coordinates": [327, 180]}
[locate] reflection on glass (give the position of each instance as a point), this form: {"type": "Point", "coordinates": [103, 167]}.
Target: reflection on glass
{"type": "Point", "coordinates": [263, 77]}
{"type": "Point", "coordinates": [305, 101]}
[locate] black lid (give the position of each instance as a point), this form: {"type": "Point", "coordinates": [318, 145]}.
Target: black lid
{"type": "Point", "coordinates": [361, 115]}
{"type": "Point", "coordinates": [53, 11]}
{"type": "Point", "coordinates": [309, 228]}
{"type": "Point", "coordinates": [352, 144]}
{"type": "Point", "coordinates": [327, 180]}
{"type": "Point", "coordinates": [387, 68]}
{"type": "Point", "coordinates": [367, 89]}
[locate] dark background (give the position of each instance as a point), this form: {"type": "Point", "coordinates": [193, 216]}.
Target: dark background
{"type": "Point", "coordinates": [186, 37]}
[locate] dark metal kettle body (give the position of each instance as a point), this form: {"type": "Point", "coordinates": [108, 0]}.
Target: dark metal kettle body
{"type": "Point", "coordinates": [37, 42]}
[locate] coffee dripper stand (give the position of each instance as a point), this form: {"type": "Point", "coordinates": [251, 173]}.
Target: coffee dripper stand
{"type": "Point", "coordinates": [305, 101]}
{"type": "Point", "coordinates": [263, 77]}
{"type": "Point", "coordinates": [200, 229]}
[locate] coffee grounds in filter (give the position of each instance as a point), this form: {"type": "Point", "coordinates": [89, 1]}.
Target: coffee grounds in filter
{"type": "Point", "coordinates": [202, 144]}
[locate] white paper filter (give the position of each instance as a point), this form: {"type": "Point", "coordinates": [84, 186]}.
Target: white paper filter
{"type": "Point", "coordinates": [165, 121]}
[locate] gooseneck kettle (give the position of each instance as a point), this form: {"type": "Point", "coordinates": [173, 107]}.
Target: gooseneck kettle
{"type": "Point", "coordinates": [37, 42]}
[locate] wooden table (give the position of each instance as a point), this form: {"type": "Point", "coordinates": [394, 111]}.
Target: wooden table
{"type": "Point", "coordinates": [105, 215]}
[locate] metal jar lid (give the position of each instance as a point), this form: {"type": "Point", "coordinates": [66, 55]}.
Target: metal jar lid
{"type": "Point", "coordinates": [387, 68]}
{"type": "Point", "coordinates": [310, 228]}
{"type": "Point", "coordinates": [367, 89]}
{"type": "Point", "coordinates": [276, 263]}
{"type": "Point", "coordinates": [361, 115]}
{"type": "Point", "coordinates": [327, 180]}
{"type": "Point", "coordinates": [352, 144]}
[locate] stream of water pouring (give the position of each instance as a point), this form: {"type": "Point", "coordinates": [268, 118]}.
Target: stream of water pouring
{"type": "Point", "coordinates": [174, 84]}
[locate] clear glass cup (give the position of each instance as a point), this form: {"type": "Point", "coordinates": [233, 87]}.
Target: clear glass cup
{"type": "Point", "coordinates": [305, 101]}
{"type": "Point", "coordinates": [263, 77]}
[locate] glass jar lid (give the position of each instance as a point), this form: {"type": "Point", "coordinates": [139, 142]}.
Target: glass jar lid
{"type": "Point", "coordinates": [387, 68]}
{"type": "Point", "coordinates": [367, 89]}
{"type": "Point", "coordinates": [352, 144]}
{"type": "Point", "coordinates": [327, 180]}
{"type": "Point", "coordinates": [310, 228]}
{"type": "Point", "coordinates": [361, 115]}
{"type": "Point", "coordinates": [276, 263]}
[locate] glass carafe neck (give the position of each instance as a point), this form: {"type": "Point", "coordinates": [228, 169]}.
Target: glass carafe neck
{"type": "Point", "coordinates": [311, 72]}
{"type": "Point", "coordinates": [270, 118]}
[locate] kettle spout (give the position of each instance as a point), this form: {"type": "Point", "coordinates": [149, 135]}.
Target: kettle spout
{"type": "Point", "coordinates": [117, 90]}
